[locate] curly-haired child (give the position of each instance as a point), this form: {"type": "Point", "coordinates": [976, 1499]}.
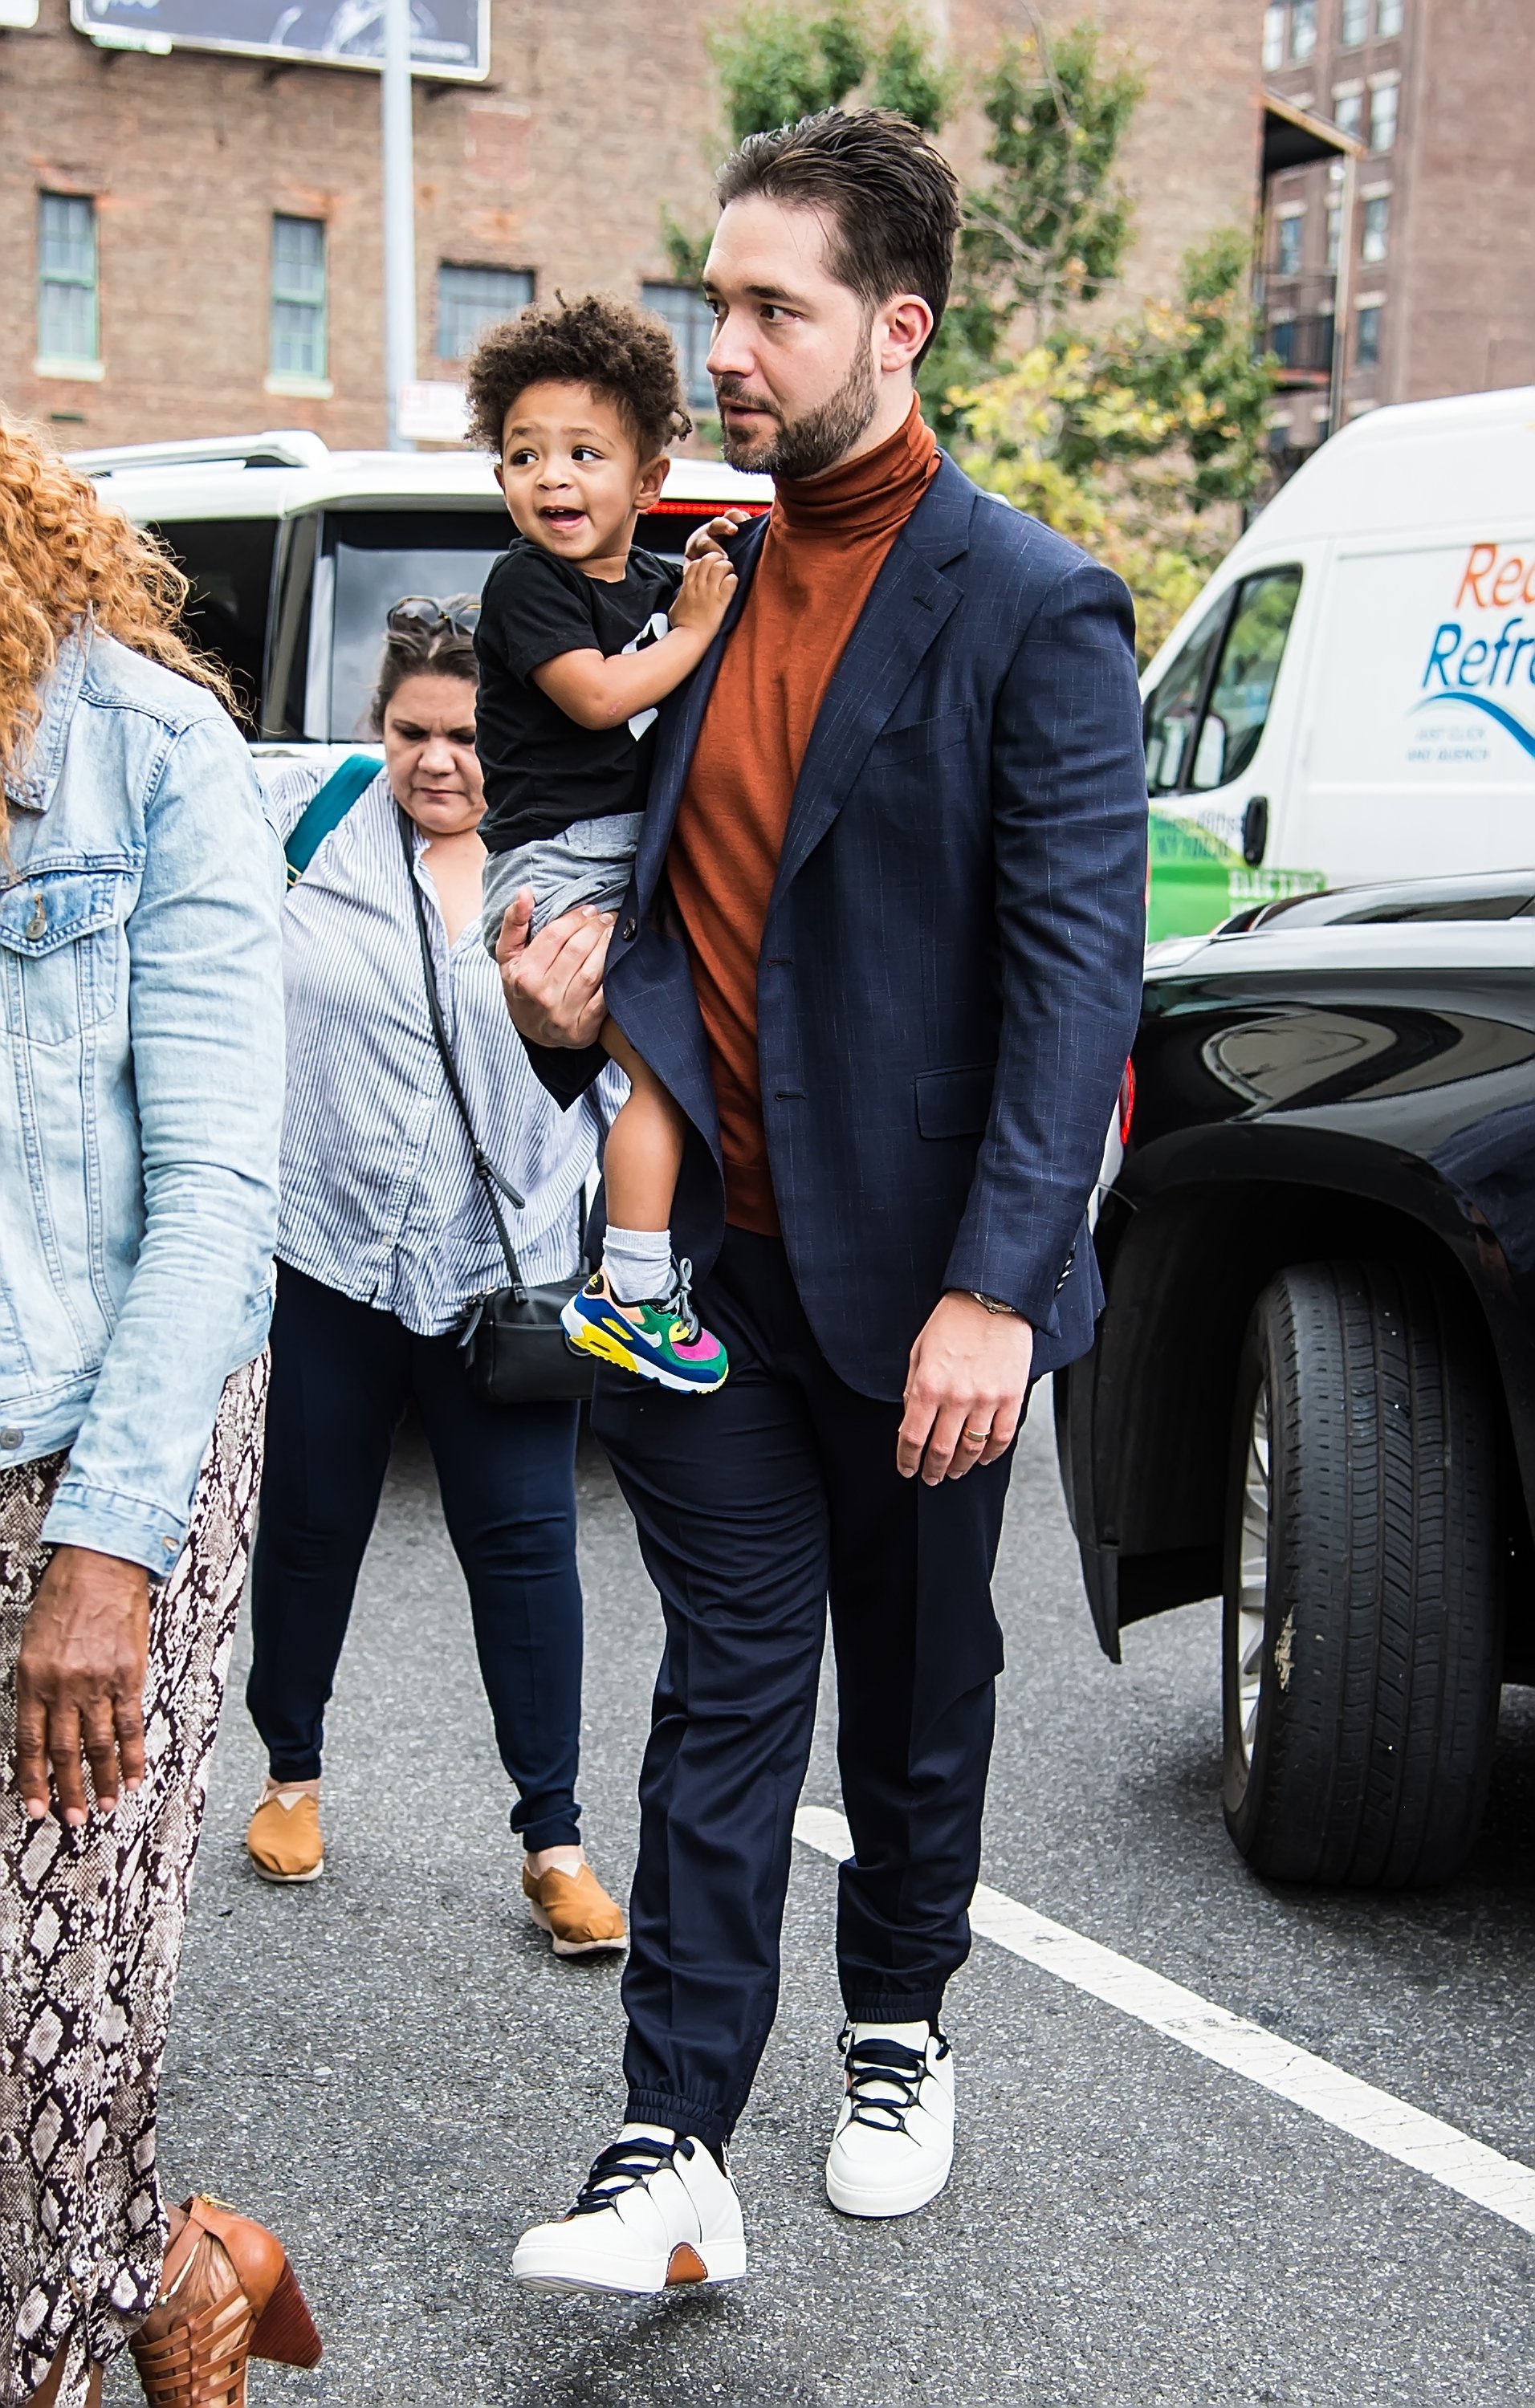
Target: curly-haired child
{"type": "Point", "coordinates": [580, 637]}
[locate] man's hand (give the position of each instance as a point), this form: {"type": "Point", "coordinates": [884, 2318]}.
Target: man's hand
{"type": "Point", "coordinates": [964, 1390]}
{"type": "Point", "coordinates": [552, 982]}
{"type": "Point", "coordinates": [712, 540]}
{"type": "Point", "coordinates": [79, 1683]}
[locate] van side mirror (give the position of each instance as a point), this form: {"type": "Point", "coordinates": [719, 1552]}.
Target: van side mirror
{"type": "Point", "coordinates": [1255, 830]}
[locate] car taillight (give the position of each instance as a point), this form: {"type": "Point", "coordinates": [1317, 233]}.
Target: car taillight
{"type": "Point", "coordinates": [1126, 1103]}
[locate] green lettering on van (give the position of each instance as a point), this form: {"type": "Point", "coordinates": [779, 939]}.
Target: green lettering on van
{"type": "Point", "coordinates": [1197, 880]}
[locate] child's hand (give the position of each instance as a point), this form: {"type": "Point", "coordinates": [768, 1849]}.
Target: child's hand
{"type": "Point", "coordinates": [707, 585]}
{"type": "Point", "coordinates": [705, 542]}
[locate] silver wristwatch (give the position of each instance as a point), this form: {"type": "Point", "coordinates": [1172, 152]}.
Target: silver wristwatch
{"type": "Point", "coordinates": [992, 1303]}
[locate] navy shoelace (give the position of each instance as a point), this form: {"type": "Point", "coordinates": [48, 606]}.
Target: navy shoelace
{"type": "Point", "coordinates": [622, 2165]}
{"type": "Point", "coordinates": [885, 2079]}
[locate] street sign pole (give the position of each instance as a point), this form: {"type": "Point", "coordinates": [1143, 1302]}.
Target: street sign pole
{"type": "Point", "coordinates": [399, 217]}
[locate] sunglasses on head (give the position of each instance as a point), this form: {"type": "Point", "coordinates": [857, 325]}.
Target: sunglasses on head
{"type": "Point", "coordinates": [460, 611]}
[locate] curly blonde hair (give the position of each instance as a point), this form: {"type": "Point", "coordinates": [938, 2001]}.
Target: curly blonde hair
{"type": "Point", "coordinates": [65, 552]}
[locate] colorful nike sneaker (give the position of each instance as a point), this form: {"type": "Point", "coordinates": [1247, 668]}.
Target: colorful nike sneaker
{"type": "Point", "coordinates": [662, 1340]}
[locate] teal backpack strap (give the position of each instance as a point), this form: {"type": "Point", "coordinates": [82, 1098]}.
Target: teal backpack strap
{"type": "Point", "coordinates": [326, 809]}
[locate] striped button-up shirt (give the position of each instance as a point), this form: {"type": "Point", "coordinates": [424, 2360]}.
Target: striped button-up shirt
{"type": "Point", "coordinates": [380, 1195]}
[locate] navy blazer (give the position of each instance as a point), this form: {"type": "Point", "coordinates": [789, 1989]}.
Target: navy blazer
{"type": "Point", "coordinates": [950, 971]}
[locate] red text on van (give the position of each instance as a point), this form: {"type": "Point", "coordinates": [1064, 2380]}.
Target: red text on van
{"type": "Point", "coordinates": [1494, 578]}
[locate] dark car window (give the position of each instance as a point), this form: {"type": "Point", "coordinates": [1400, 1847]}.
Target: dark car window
{"type": "Point", "coordinates": [1206, 719]}
{"type": "Point", "coordinates": [375, 557]}
{"type": "Point", "coordinates": [229, 562]}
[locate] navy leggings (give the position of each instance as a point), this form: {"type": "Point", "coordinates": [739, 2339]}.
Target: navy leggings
{"type": "Point", "coordinates": [343, 1374]}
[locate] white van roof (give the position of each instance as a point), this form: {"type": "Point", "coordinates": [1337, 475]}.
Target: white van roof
{"type": "Point", "coordinates": [288, 468]}
{"type": "Point", "coordinates": [1418, 463]}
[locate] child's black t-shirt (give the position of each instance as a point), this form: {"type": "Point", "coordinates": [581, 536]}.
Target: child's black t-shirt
{"type": "Point", "coordinates": [542, 771]}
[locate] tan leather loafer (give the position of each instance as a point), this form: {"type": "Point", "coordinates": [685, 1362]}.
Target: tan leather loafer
{"type": "Point", "coordinates": [575, 1911]}
{"type": "Point", "coordinates": [283, 1838]}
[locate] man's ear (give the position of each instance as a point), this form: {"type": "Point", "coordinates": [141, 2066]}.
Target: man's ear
{"type": "Point", "coordinates": [902, 327]}
{"type": "Point", "coordinates": [653, 476]}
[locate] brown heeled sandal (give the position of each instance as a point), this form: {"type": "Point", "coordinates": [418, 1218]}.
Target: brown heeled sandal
{"type": "Point", "coordinates": [227, 2294]}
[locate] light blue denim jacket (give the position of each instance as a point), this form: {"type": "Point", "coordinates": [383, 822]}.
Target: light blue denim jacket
{"type": "Point", "coordinates": [141, 993]}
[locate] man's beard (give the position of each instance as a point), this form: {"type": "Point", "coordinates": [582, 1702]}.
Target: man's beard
{"type": "Point", "coordinates": [807, 446]}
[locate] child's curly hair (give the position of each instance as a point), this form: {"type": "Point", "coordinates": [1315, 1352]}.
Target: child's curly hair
{"type": "Point", "coordinates": [624, 354]}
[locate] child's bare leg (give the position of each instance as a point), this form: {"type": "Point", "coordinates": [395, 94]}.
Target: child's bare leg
{"type": "Point", "coordinates": [644, 1150]}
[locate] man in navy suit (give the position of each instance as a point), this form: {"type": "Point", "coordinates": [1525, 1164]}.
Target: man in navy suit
{"type": "Point", "coordinates": [883, 946]}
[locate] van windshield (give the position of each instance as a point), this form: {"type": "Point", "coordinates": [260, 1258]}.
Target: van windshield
{"type": "Point", "coordinates": [1205, 720]}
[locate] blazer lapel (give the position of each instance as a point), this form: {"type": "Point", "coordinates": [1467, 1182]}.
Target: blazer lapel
{"type": "Point", "coordinates": [677, 737]}
{"type": "Point", "coordinates": [911, 600]}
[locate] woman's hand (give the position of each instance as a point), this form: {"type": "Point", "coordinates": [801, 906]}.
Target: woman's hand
{"type": "Point", "coordinates": [79, 1683]}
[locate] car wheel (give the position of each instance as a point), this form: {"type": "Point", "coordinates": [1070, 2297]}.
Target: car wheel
{"type": "Point", "coordinates": [1362, 1644]}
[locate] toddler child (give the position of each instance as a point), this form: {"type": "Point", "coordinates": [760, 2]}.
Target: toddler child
{"type": "Point", "coordinates": [580, 637]}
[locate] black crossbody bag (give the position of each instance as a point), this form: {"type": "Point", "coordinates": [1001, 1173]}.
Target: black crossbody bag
{"type": "Point", "coordinates": [514, 1348]}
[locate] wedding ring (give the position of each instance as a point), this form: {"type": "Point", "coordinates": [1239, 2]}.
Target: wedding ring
{"type": "Point", "coordinates": [978, 1438]}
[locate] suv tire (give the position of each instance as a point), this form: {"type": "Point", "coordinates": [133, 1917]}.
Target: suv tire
{"type": "Point", "coordinates": [1361, 1664]}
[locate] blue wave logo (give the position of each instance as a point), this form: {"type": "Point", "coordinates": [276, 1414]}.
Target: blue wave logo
{"type": "Point", "coordinates": [1514, 727]}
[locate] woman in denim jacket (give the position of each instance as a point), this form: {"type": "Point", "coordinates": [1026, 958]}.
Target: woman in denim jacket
{"type": "Point", "coordinates": [140, 1000]}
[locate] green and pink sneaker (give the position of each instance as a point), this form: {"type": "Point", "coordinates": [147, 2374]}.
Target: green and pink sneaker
{"type": "Point", "coordinates": [663, 1341]}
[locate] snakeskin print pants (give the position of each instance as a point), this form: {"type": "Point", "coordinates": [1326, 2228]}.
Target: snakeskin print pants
{"type": "Point", "coordinates": [91, 1926]}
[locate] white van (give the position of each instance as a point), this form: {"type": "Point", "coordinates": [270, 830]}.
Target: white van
{"type": "Point", "coordinates": [1353, 696]}
{"type": "Point", "coordinates": [295, 553]}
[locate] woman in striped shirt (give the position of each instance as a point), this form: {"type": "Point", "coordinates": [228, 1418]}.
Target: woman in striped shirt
{"type": "Point", "coordinates": [384, 1237]}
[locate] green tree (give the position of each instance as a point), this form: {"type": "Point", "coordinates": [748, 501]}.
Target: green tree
{"type": "Point", "coordinates": [1047, 231]}
{"type": "Point", "coordinates": [1137, 442]}
{"type": "Point", "coordinates": [777, 62]}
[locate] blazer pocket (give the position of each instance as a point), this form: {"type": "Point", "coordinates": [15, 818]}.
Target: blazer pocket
{"type": "Point", "coordinates": [954, 1103]}
{"type": "Point", "coordinates": [921, 739]}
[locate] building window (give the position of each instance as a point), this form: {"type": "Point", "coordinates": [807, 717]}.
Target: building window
{"type": "Point", "coordinates": [1302, 28]}
{"type": "Point", "coordinates": [1348, 111]}
{"type": "Point", "coordinates": [1290, 246]}
{"type": "Point", "coordinates": [1355, 27]}
{"type": "Point", "coordinates": [1273, 34]}
{"type": "Point", "coordinates": [1388, 20]}
{"type": "Point", "coordinates": [1382, 117]}
{"type": "Point", "coordinates": [67, 278]}
{"type": "Point", "coordinates": [1367, 338]}
{"type": "Point", "coordinates": [1335, 232]}
{"type": "Point", "coordinates": [1377, 227]}
{"type": "Point", "coordinates": [469, 299]}
{"type": "Point", "coordinates": [298, 298]}
{"type": "Point", "coordinates": [690, 321]}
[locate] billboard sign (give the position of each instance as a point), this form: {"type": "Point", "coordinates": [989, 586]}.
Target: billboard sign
{"type": "Point", "coordinates": [448, 38]}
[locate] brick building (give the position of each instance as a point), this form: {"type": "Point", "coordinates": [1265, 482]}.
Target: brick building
{"type": "Point", "coordinates": [1441, 270]}
{"type": "Point", "coordinates": [191, 243]}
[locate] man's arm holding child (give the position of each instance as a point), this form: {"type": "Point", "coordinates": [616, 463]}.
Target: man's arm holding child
{"type": "Point", "coordinates": [596, 691]}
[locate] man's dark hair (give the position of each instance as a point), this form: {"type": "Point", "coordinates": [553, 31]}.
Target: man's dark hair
{"type": "Point", "coordinates": [623, 354]}
{"type": "Point", "coordinates": [891, 199]}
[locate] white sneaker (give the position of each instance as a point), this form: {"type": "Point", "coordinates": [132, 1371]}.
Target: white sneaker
{"type": "Point", "coordinates": [655, 2210]}
{"type": "Point", "coordinates": [895, 2138]}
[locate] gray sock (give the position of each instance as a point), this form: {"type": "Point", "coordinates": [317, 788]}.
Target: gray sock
{"type": "Point", "coordinates": [637, 1265]}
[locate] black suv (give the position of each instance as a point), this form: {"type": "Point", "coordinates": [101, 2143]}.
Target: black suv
{"type": "Point", "coordinates": [1314, 1388]}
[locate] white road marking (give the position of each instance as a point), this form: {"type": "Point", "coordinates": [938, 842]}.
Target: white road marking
{"type": "Point", "coordinates": [1422, 2142]}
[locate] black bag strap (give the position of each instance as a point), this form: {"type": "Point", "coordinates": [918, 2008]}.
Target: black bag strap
{"type": "Point", "coordinates": [485, 1171]}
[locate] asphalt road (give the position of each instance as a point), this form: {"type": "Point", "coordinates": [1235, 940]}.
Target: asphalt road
{"type": "Point", "coordinates": [391, 2068]}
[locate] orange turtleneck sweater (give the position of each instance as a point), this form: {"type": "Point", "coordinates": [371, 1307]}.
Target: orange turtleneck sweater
{"type": "Point", "coordinates": [826, 542]}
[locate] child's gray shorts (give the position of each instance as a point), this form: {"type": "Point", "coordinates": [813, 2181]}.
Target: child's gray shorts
{"type": "Point", "coordinates": [586, 863]}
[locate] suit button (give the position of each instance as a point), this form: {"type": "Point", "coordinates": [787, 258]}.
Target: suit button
{"type": "Point", "coordinates": [627, 932]}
